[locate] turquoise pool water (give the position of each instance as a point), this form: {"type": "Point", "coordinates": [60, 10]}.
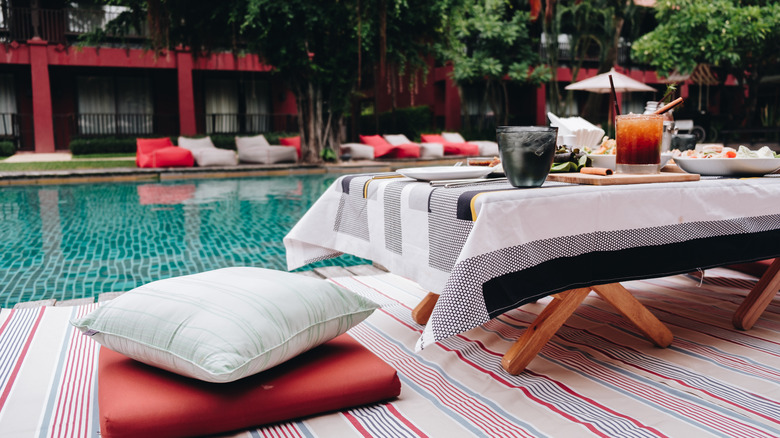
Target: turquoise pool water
{"type": "Point", "coordinates": [75, 241]}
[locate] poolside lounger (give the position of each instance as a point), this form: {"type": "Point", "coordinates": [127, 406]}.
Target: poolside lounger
{"type": "Point", "coordinates": [450, 148]}
{"type": "Point", "coordinates": [206, 154]}
{"type": "Point", "coordinates": [383, 149]}
{"type": "Point", "coordinates": [487, 148]}
{"type": "Point", "coordinates": [256, 149]}
{"type": "Point", "coordinates": [427, 150]}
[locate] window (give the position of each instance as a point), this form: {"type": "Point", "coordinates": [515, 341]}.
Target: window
{"type": "Point", "coordinates": [114, 105]}
{"type": "Point", "coordinates": [7, 105]}
{"type": "Point", "coordinates": [221, 106]}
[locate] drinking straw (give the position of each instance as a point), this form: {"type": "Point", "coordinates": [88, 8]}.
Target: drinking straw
{"type": "Point", "coordinates": [614, 96]}
{"type": "Point", "coordinates": [669, 106]}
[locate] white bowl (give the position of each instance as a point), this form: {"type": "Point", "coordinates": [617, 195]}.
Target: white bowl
{"type": "Point", "coordinates": [729, 166]}
{"type": "Point", "coordinates": [608, 161]}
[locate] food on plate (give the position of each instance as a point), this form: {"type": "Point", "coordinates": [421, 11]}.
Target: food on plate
{"type": "Point", "coordinates": [719, 151]}
{"type": "Point", "coordinates": [607, 147]}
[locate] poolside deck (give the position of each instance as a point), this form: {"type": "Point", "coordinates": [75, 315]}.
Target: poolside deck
{"type": "Point", "coordinates": [121, 174]}
{"type": "Point", "coordinates": [597, 376]}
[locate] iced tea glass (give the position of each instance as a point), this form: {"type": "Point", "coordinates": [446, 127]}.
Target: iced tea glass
{"type": "Point", "coordinates": [638, 139]}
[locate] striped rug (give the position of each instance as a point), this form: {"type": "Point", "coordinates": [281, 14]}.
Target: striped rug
{"type": "Point", "coordinates": [597, 377]}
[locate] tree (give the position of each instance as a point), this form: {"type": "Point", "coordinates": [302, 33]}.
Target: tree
{"type": "Point", "coordinates": [317, 47]}
{"type": "Point", "coordinates": [491, 45]}
{"type": "Point", "coordinates": [740, 38]}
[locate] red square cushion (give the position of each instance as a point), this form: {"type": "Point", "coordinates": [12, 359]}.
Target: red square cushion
{"type": "Point", "coordinates": [432, 138]}
{"type": "Point", "coordinates": [160, 152]}
{"type": "Point", "coordinates": [380, 145]}
{"type": "Point", "coordinates": [292, 141]}
{"type": "Point", "coordinates": [138, 400]}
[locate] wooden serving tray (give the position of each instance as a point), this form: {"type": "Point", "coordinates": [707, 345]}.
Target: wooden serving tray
{"type": "Point", "coordinates": [621, 178]}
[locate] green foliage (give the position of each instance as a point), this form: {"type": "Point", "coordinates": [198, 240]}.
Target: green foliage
{"type": "Point", "coordinates": [492, 44]}
{"type": "Point", "coordinates": [7, 148]}
{"type": "Point", "coordinates": [741, 38]}
{"type": "Point", "coordinates": [411, 122]}
{"type": "Point", "coordinates": [102, 145]}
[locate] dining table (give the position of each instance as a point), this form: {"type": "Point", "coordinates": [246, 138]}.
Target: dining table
{"type": "Point", "coordinates": [482, 247]}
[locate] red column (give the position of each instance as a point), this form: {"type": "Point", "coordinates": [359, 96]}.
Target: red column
{"type": "Point", "coordinates": [41, 97]}
{"type": "Point", "coordinates": [541, 105]}
{"type": "Point", "coordinates": [187, 124]}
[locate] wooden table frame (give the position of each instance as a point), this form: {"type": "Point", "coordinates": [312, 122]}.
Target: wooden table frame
{"type": "Point", "coordinates": [563, 305]}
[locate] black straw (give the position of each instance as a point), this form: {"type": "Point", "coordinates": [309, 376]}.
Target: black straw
{"type": "Point", "coordinates": [614, 96]}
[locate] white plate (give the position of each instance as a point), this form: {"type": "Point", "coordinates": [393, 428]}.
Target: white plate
{"type": "Point", "coordinates": [608, 161]}
{"type": "Point", "coordinates": [445, 172]}
{"type": "Point", "coordinates": [728, 166]}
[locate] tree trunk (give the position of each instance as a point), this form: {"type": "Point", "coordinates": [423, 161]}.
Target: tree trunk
{"type": "Point", "coordinates": [319, 125]}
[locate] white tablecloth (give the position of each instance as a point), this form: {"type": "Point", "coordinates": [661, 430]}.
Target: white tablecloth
{"type": "Point", "coordinates": [489, 247]}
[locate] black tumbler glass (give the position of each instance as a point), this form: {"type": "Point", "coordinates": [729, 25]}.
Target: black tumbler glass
{"type": "Point", "coordinates": [527, 153]}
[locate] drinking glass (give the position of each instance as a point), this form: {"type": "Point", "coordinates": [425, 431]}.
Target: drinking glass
{"type": "Point", "coordinates": [638, 140]}
{"type": "Point", "coordinates": [527, 153]}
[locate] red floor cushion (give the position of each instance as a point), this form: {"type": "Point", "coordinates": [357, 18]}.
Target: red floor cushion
{"type": "Point", "coordinates": [451, 148]}
{"type": "Point", "coordinates": [383, 149]}
{"type": "Point", "coordinates": [139, 400]}
{"type": "Point", "coordinates": [292, 141]}
{"type": "Point", "coordinates": [160, 152]}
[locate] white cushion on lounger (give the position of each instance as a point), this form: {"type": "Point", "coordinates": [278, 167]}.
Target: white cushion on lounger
{"type": "Point", "coordinates": [431, 150]}
{"type": "Point", "coordinates": [206, 154]}
{"type": "Point", "coordinates": [486, 148]}
{"type": "Point", "coordinates": [256, 140]}
{"type": "Point", "coordinates": [396, 139]}
{"type": "Point", "coordinates": [453, 137]}
{"type": "Point", "coordinates": [223, 325]}
{"type": "Point", "coordinates": [358, 151]}
{"type": "Point", "coordinates": [268, 154]}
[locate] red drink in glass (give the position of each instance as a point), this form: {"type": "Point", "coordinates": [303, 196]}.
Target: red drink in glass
{"type": "Point", "coordinates": [638, 140]}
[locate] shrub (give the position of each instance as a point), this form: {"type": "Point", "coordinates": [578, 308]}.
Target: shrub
{"type": "Point", "coordinates": [7, 148]}
{"type": "Point", "coordinates": [411, 122]}
{"type": "Point", "coordinates": [102, 145]}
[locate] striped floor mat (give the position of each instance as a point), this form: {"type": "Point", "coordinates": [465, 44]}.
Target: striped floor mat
{"type": "Point", "coordinates": [597, 377]}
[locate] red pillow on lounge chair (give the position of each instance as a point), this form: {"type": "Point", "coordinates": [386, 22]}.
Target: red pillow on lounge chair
{"type": "Point", "coordinates": [451, 148]}
{"type": "Point", "coordinates": [292, 141]}
{"type": "Point", "coordinates": [137, 400]}
{"type": "Point", "coordinates": [160, 152]}
{"type": "Point", "coordinates": [384, 149]}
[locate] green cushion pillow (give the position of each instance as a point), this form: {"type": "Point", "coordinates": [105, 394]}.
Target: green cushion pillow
{"type": "Point", "coordinates": [222, 325]}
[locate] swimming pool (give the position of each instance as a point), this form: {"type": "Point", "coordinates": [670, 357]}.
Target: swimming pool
{"type": "Point", "coordinates": [75, 241]}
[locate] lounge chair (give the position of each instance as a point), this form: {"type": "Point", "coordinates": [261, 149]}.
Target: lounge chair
{"type": "Point", "coordinates": [161, 152]}
{"type": "Point", "coordinates": [427, 150]}
{"type": "Point", "coordinates": [383, 149]}
{"type": "Point", "coordinates": [256, 149]}
{"type": "Point", "coordinates": [357, 151]}
{"type": "Point", "coordinates": [450, 148]}
{"type": "Point", "coordinates": [206, 154]}
{"type": "Point", "coordinates": [292, 141]}
{"type": "Point", "coordinates": [487, 148]}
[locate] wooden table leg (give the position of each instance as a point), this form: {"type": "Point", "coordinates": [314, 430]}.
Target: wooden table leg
{"type": "Point", "coordinates": [422, 312]}
{"type": "Point", "coordinates": [759, 298]}
{"type": "Point", "coordinates": [621, 299]}
{"type": "Point", "coordinates": [542, 329]}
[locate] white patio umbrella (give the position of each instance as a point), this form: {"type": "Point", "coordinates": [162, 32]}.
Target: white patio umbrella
{"type": "Point", "coordinates": [600, 84]}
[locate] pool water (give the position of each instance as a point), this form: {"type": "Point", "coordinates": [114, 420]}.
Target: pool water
{"type": "Point", "coordinates": [75, 241]}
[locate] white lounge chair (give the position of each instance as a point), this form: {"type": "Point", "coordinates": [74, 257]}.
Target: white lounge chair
{"type": "Point", "coordinates": [427, 150]}
{"type": "Point", "coordinates": [256, 149]}
{"type": "Point", "coordinates": [206, 154]}
{"type": "Point", "coordinates": [487, 148]}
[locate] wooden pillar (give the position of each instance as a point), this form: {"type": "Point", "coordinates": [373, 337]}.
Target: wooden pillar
{"type": "Point", "coordinates": [187, 125]}
{"type": "Point", "coordinates": [43, 119]}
